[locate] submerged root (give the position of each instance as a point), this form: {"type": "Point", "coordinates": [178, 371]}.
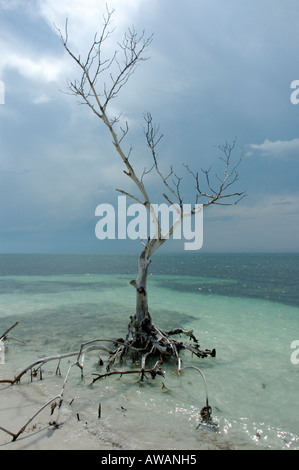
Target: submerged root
{"type": "Point", "coordinates": [153, 342]}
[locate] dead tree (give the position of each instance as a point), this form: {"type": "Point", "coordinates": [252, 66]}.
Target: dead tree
{"type": "Point", "coordinates": [144, 339]}
{"type": "Point", "coordinates": [102, 79]}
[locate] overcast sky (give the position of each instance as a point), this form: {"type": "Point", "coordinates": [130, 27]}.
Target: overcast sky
{"type": "Point", "coordinates": [219, 70]}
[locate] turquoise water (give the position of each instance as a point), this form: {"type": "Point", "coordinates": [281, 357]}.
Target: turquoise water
{"type": "Point", "coordinates": [246, 306]}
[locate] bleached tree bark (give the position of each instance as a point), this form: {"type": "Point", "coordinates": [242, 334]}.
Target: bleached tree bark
{"type": "Point", "coordinates": [98, 95]}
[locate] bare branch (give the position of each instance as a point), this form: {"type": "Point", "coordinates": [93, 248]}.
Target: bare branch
{"type": "Point", "coordinates": [214, 195]}
{"type": "Point", "coordinates": [153, 137]}
{"type": "Point", "coordinates": [3, 336]}
{"type": "Point", "coordinates": [133, 47]}
{"type": "Point", "coordinates": [131, 51]}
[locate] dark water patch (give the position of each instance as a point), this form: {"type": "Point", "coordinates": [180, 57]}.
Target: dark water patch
{"type": "Point", "coordinates": [16, 286]}
{"type": "Point", "coordinates": [287, 296]}
{"type": "Point", "coordinates": [51, 264]}
{"type": "Point", "coordinates": [63, 328]}
{"type": "Point", "coordinates": [220, 265]}
{"type": "Point", "coordinates": [273, 277]}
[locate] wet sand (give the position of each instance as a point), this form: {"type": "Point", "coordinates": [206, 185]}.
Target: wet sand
{"type": "Point", "coordinates": [18, 403]}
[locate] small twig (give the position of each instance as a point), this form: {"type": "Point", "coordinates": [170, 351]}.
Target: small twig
{"type": "Point", "coordinates": [3, 337]}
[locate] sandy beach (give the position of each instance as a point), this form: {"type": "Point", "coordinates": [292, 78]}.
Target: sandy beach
{"type": "Point", "coordinates": [75, 432]}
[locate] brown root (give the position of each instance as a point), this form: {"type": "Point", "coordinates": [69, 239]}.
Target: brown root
{"type": "Point", "coordinates": [152, 342]}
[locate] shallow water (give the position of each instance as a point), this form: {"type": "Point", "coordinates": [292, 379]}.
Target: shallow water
{"type": "Point", "coordinates": [252, 383]}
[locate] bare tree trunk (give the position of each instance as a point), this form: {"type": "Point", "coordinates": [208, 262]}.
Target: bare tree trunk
{"type": "Point", "coordinates": [142, 319]}
{"type": "Point", "coordinates": [141, 322]}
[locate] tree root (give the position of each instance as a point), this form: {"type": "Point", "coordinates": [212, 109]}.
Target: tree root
{"type": "Point", "coordinates": [156, 370]}
{"type": "Point", "coordinates": [157, 343]}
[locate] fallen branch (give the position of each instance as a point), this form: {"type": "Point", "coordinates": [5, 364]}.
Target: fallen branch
{"type": "Point", "coordinates": [39, 362]}
{"type": "Point", "coordinates": [80, 359]}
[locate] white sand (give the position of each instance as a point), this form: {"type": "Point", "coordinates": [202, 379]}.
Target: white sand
{"type": "Point", "coordinates": [18, 403]}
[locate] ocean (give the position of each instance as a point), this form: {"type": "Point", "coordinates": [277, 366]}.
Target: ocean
{"type": "Point", "coordinates": [244, 305]}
